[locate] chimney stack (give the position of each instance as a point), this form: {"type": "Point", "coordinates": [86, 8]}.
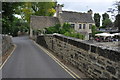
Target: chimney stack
{"type": "Point", "coordinates": [58, 10]}
{"type": "Point", "coordinates": [90, 12]}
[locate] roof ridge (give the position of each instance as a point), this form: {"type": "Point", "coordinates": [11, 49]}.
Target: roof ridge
{"type": "Point", "coordinates": [43, 16]}
{"type": "Point", "coordinates": [75, 12]}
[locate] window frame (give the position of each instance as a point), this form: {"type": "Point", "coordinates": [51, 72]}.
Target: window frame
{"type": "Point", "coordinates": [90, 26]}
{"type": "Point", "coordinates": [80, 27]}
{"type": "Point", "coordinates": [84, 26]}
{"type": "Point", "coordinates": [72, 26]}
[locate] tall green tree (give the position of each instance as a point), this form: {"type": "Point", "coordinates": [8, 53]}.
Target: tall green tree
{"type": "Point", "coordinates": [106, 22]}
{"type": "Point", "coordinates": [117, 21]}
{"type": "Point", "coordinates": [105, 16]}
{"type": "Point", "coordinates": [44, 8]}
{"type": "Point", "coordinates": [117, 5]}
{"type": "Point", "coordinates": [37, 8]}
{"type": "Point", "coordinates": [97, 19]}
{"type": "Point", "coordinates": [25, 10]}
{"type": "Point", "coordinates": [8, 11]}
{"type": "Point", "coordinates": [117, 18]}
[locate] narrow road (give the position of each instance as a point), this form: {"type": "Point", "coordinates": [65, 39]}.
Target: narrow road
{"type": "Point", "coordinates": [29, 61]}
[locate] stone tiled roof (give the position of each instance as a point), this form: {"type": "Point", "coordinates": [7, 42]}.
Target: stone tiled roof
{"type": "Point", "coordinates": [69, 16]}
{"type": "Point", "coordinates": [41, 22]}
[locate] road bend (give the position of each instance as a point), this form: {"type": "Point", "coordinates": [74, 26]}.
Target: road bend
{"type": "Point", "coordinates": [29, 61]}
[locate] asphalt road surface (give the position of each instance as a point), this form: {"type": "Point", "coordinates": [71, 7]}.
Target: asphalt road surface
{"type": "Point", "coordinates": [29, 61]}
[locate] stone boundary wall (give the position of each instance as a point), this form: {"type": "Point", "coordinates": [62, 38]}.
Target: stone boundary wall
{"type": "Point", "coordinates": [6, 43]}
{"type": "Point", "coordinates": [94, 61]}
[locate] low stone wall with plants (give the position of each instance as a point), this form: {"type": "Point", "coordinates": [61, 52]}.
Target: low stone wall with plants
{"type": "Point", "coordinates": [6, 43]}
{"type": "Point", "coordinates": [95, 61]}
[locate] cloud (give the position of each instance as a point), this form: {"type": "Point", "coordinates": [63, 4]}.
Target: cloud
{"type": "Point", "coordinates": [84, 5]}
{"type": "Point", "coordinates": [90, 1]}
{"type": "Point", "coordinates": [98, 6]}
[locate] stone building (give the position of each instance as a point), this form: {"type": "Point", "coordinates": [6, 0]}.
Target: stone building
{"type": "Point", "coordinates": [41, 22]}
{"type": "Point", "coordinates": [81, 22]}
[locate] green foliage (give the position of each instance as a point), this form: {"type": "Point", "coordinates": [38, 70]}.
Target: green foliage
{"type": "Point", "coordinates": [94, 28]}
{"type": "Point", "coordinates": [44, 8]}
{"type": "Point", "coordinates": [101, 27]}
{"type": "Point", "coordinates": [107, 23]}
{"type": "Point", "coordinates": [117, 21]}
{"type": "Point", "coordinates": [65, 30]}
{"type": "Point", "coordinates": [98, 32]}
{"type": "Point", "coordinates": [54, 29]}
{"type": "Point", "coordinates": [8, 9]}
{"type": "Point", "coordinates": [97, 19]}
{"type": "Point", "coordinates": [19, 25]}
{"type": "Point", "coordinates": [25, 10]}
{"type": "Point", "coordinates": [76, 35]}
{"type": "Point", "coordinates": [36, 8]}
{"type": "Point", "coordinates": [105, 16]}
{"type": "Point", "coordinates": [50, 30]}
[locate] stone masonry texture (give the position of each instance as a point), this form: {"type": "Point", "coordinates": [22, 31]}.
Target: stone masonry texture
{"type": "Point", "coordinates": [6, 43]}
{"type": "Point", "coordinates": [95, 61]}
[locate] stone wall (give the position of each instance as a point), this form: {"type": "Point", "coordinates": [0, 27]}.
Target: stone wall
{"type": "Point", "coordinates": [6, 43]}
{"type": "Point", "coordinates": [95, 61]}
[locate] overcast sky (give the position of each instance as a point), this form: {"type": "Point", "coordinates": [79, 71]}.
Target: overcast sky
{"type": "Point", "coordinates": [98, 6]}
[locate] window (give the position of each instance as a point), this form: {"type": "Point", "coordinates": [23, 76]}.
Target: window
{"type": "Point", "coordinates": [90, 26]}
{"type": "Point", "coordinates": [80, 26]}
{"type": "Point", "coordinates": [84, 25]}
{"type": "Point", "coordinates": [72, 25]}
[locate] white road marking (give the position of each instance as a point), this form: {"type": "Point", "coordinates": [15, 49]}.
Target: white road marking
{"type": "Point", "coordinates": [60, 63]}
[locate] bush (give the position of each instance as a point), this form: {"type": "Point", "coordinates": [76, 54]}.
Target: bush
{"type": "Point", "coordinates": [94, 29]}
{"type": "Point", "coordinates": [65, 30]}
{"type": "Point", "coordinates": [76, 35]}
{"type": "Point", "coordinates": [54, 29]}
{"type": "Point", "coordinates": [98, 32]}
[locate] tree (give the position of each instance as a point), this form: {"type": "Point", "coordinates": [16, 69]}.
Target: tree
{"type": "Point", "coordinates": [117, 18]}
{"type": "Point", "coordinates": [44, 8]}
{"type": "Point", "coordinates": [8, 11]}
{"type": "Point", "coordinates": [115, 10]}
{"type": "Point", "coordinates": [97, 19]}
{"type": "Point", "coordinates": [25, 10]}
{"type": "Point", "coordinates": [106, 22]}
{"type": "Point", "coordinates": [105, 16]}
{"type": "Point", "coordinates": [37, 8]}
{"type": "Point", "coordinates": [93, 30]}
{"type": "Point", "coordinates": [117, 21]}
{"type": "Point", "coordinates": [117, 5]}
